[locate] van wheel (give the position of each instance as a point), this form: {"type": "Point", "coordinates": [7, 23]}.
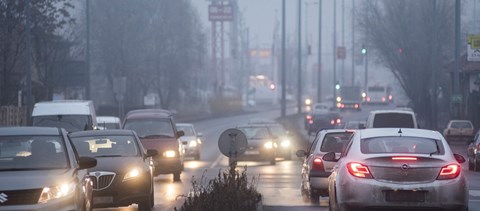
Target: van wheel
{"type": "Point", "coordinates": [176, 177]}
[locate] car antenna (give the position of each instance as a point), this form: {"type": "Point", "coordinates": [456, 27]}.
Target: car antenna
{"type": "Point", "coordinates": [400, 132]}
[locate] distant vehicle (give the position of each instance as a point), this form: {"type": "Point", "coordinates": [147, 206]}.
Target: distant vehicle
{"type": "Point", "coordinates": [40, 170]}
{"type": "Point", "coordinates": [401, 169]}
{"type": "Point", "coordinates": [378, 95]}
{"type": "Point", "coordinates": [315, 171]}
{"type": "Point", "coordinates": [73, 115]}
{"type": "Point", "coordinates": [193, 147]}
{"type": "Point", "coordinates": [324, 121]}
{"type": "Point", "coordinates": [473, 153]}
{"type": "Point", "coordinates": [350, 98]}
{"type": "Point", "coordinates": [318, 108]}
{"type": "Point", "coordinates": [462, 130]}
{"type": "Point", "coordinates": [108, 122]}
{"type": "Point", "coordinates": [262, 145]}
{"type": "Point", "coordinates": [156, 130]}
{"type": "Point", "coordinates": [124, 172]}
{"type": "Point", "coordinates": [391, 119]}
{"type": "Point", "coordinates": [354, 125]}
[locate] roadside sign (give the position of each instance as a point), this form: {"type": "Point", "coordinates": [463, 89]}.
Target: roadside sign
{"type": "Point", "coordinates": [473, 48]}
{"type": "Point", "coordinates": [220, 12]}
{"type": "Point", "coordinates": [341, 52]}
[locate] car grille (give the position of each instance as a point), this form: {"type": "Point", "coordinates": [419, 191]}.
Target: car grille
{"type": "Point", "coordinates": [101, 179]}
{"type": "Point", "coordinates": [397, 174]}
{"type": "Point", "coordinates": [19, 197]}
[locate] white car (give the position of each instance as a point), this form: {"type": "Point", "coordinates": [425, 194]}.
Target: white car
{"type": "Point", "coordinates": [391, 119]}
{"type": "Point", "coordinates": [403, 168]}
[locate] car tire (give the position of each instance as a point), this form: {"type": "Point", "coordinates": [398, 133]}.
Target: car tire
{"type": "Point", "coordinates": [314, 197]}
{"type": "Point", "coordinates": [145, 204]}
{"type": "Point", "coordinates": [470, 165]}
{"type": "Point", "coordinates": [176, 176]}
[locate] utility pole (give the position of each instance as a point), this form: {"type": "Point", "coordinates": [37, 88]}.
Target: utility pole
{"type": "Point", "coordinates": [87, 51]}
{"type": "Point", "coordinates": [457, 95]}
{"type": "Point", "coordinates": [283, 106]}
{"type": "Point", "coordinates": [343, 41]}
{"type": "Point", "coordinates": [366, 68]}
{"type": "Point", "coordinates": [353, 44]}
{"type": "Point", "coordinates": [433, 66]}
{"type": "Point", "coordinates": [299, 58]}
{"type": "Point", "coordinates": [319, 65]}
{"type": "Point", "coordinates": [28, 69]}
{"type": "Point", "coordinates": [334, 53]}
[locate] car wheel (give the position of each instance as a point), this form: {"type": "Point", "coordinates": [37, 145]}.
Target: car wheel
{"type": "Point", "coordinates": [145, 204]}
{"type": "Point", "coordinates": [176, 176]}
{"type": "Point", "coordinates": [470, 165]}
{"type": "Point", "coordinates": [314, 197]}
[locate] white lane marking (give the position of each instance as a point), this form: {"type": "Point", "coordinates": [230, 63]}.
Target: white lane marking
{"type": "Point", "coordinates": [214, 164]}
{"type": "Point", "coordinates": [474, 193]}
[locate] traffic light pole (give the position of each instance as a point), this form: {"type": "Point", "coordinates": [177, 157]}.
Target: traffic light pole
{"type": "Point", "coordinates": [334, 53]}
{"type": "Point", "coordinates": [283, 103]}
{"type": "Point", "coordinates": [319, 65]}
{"type": "Point", "coordinates": [299, 60]}
{"type": "Point", "coordinates": [366, 68]}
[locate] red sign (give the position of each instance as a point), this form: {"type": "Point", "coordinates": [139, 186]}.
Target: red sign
{"type": "Point", "coordinates": [341, 53]}
{"type": "Point", "coordinates": [220, 12]}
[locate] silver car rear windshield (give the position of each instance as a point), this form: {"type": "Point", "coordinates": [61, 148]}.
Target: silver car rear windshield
{"type": "Point", "coordinates": [106, 146]}
{"type": "Point", "coordinates": [404, 144]}
{"type": "Point", "coordinates": [19, 153]}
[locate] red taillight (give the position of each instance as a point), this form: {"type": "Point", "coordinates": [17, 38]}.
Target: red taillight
{"type": "Point", "coordinates": [356, 105]}
{"type": "Point", "coordinates": [390, 97]}
{"type": "Point", "coordinates": [317, 164]}
{"type": "Point", "coordinates": [309, 117]}
{"type": "Point", "coordinates": [368, 99]}
{"type": "Point", "coordinates": [405, 158]}
{"type": "Point", "coordinates": [339, 121]}
{"type": "Point", "coordinates": [449, 172]}
{"type": "Point", "coordinates": [359, 170]}
{"type": "Point", "coordinates": [383, 99]}
{"type": "Point", "coordinates": [332, 122]}
{"type": "Point", "coordinates": [478, 146]}
{"type": "Point", "coordinates": [342, 105]}
{"type": "Point", "coordinates": [310, 121]}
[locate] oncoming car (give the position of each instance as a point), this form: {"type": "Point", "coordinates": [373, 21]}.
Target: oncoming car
{"type": "Point", "coordinates": [262, 146]}
{"type": "Point", "coordinates": [397, 168]}
{"type": "Point", "coordinates": [193, 145]}
{"type": "Point", "coordinates": [40, 170]}
{"type": "Point", "coordinates": [124, 173]}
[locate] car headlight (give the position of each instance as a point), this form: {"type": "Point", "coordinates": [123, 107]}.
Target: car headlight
{"type": "Point", "coordinates": [55, 192]}
{"type": "Point", "coordinates": [192, 143]}
{"type": "Point", "coordinates": [131, 174]}
{"type": "Point", "coordinates": [169, 154]}
{"type": "Point", "coordinates": [285, 143]}
{"type": "Point", "coordinates": [268, 145]}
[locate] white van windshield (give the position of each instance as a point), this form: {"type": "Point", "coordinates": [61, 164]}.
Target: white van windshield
{"type": "Point", "coordinates": [71, 123]}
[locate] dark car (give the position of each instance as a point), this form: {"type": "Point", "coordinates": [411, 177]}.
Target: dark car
{"type": "Point", "coordinates": [280, 135]}
{"type": "Point", "coordinates": [124, 172]}
{"type": "Point", "coordinates": [321, 121]}
{"type": "Point", "coordinates": [262, 145]}
{"type": "Point", "coordinates": [40, 170]}
{"type": "Point", "coordinates": [473, 153]}
{"type": "Point", "coordinates": [156, 130]}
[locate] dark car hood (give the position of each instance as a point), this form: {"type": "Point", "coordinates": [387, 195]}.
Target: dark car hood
{"type": "Point", "coordinates": [117, 164]}
{"type": "Point", "coordinates": [21, 180]}
{"type": "Point", "coordinates": [160, 144]}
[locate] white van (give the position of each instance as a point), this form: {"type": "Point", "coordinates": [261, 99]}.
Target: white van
{"type": "Point", "coordinates": [391, 119]}
{"type": "Point", "coordinates": [108, 122]}
{"type": "Point", "coordinates": [73, 115]}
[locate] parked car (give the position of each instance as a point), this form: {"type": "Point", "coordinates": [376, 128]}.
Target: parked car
{"type": "Point", "coordinates": [462, 130]}
{"type": "Point", "coordinates": [322, 121]}
{"type": "Point", "coordinates": [262, 145]}
{"type": "Point", "coordinates": [124, 171]}
{"type": "Point", "coordinates": [281, 135]}
{"type": "Point", "coordinates": [391, 119]}
{"type": "Point", "coordinates": [156, 130]}
{"type": "Point", "coordinates": [388, 168]}
{"type": "Point", "coordinates": [73, 115]}
{"type": "Point", "coordinates": [193, 147]}
{"type": "Point", "coordinates": [315, 171]}
{"type": "Point", "coordinates": [108, 122]}
{"type": "Point", "coordinates": [40, 170]}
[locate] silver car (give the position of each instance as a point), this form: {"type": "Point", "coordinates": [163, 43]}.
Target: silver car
{"type": "Point", "coordinates": [315, 171]}
{"type": "Point", "coordinates": [192, 140]}
{"type": "Point", "coordinates": [397, 168]}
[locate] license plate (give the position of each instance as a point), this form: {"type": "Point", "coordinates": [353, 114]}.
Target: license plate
{"type": "Point", "coordinates": [252, 152]}
{"type": "Point", "coordinates": [405, 196]}
{"type": "Point", "coordinates": [103, 200]}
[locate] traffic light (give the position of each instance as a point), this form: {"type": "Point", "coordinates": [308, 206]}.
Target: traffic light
{"type": "Point", "coordinates": [364, 50]}
{"type": "Point", "coordinates": [337, 86]}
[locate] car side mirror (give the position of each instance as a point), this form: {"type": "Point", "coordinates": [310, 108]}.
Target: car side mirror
{"type": "Point", "coordinates": [86, 162]}
{"type": "Point", "coordinates": [459, 158]}
{"type": "Point", "coordinates": [330, 156]}
{"type": "Point", "coordinates": [301, 153]}
{"type": "Point", "coordinates": [180, 133]}
{"type": "Point", "coordinates": [151, 153]}
{"type": "Point", "coordinates": [200, 135]}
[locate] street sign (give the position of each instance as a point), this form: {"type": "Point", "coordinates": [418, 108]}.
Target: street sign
{"type": "Point", "coordinates": [220, 12]}
{"type": "Point", "coordinates": [341, 52]}
{"type": "Point", "coordinates": [473, 48]}
{"type": "Point", "coordinates": [232, 143]}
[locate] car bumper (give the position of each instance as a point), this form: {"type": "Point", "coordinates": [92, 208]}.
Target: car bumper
{"type": "Point", "coordinates": [440, 194]}
{"type": "Point", "coordinates": [319, 181]}
{"type": "Point", "coordinates": [122, 193]}
{"type": "Point", "coordinates": [191, 152]}
{"type": "Point", "coordinates": [167, 165]}
{"type": "Point", "coordinates": [61, 204]}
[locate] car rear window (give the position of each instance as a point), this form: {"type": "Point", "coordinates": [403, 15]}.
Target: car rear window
{"type": "Point", "coordinates": [393, 120]}
{"type": "Point", "coordinates": [335, 142]}
{"type": "Point", "coordinates": [162, 127]}
{"type": "Point", "coordinates": [403, 144]}
{"type": "Point", "coordinates": [461, 125]}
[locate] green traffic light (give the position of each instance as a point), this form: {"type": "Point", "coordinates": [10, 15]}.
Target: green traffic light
{"type": "Point", "coordinates": [337, 86]}
{"type": "Point", "coordinates": [364, 51]}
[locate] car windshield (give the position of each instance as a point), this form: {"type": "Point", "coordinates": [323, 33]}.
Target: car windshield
{"type": "Point", "coordinates": [335, 142]}
{"type": "Point", "coordinates": [105, 146]}
{"type": "Point", "coordinates": [71, 123]}
{"type": "Point", "coordinates": [32, 153]}
{"type": "Point", "coordinates": [278, 130]}
{"type": "Point", "coordinates": [393, 120]}
{"type": "Point", "coordinates": [151, 127]}
{"type": "Point", "coordinates": [255, 132]}
{"type": "Point", "coordinates": [461, 125]}
{"type": "Point", "coordinates": [401, 144]}
{"type": "Point", "coordinates": [187, 129]}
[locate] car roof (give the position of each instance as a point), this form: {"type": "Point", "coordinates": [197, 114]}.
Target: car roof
{"type": "Point", "coordinates": [391, 111]}
{"type": "Point", "coordinates": [460, 120]}
{"type": "Point", "coordinates": [148, 113]}
{"type": "Point", "coordinates": [114, 132]}
{"type": "Point", "coordinates": [384, 132]}
{"type": "Point", "coordinates": [184, 124]}
{"type": "Point", "coordinates": [13, 131]}
{"type": "Point", "coordinates": [63, 107]}
{"type": "Point", "coordinates": [108, 119]}
{"type": "Point", "coordinates": [341, 130]}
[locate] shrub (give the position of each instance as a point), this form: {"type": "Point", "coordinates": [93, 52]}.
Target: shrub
{"type": "Point", "coordinates": [230, 190]}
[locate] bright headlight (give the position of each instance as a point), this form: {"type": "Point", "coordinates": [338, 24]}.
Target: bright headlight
{"type": "Point", "coordinates": [169, 154]}
{"type": "Point", "coordinates": [192, 143]}
{"type": "Point", "coordinates": [285, 143]}
{"type": "Point", "coordinates": [131, 174]}
{"type": "Point", "coordinates": [56, 192]}
{"type": "Point", "coordinates": [268, 145]}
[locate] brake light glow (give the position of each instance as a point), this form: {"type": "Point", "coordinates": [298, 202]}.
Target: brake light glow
{"type": "Point", "coordinates": [310, 121]}
{"type": "Point", "coordinates": [449, 172]}
{"type": "Point", "coordinates": [332, 122]}
{"type": "Point", "coordinates": [356, 106]}
{"type": "Point", "coordinates": [368, 99]}
{"type": "Point", "coordinates": [404, 158]}
{"type": "Point", "coordinates": [339, 121]}
{"type": "Point", "coordinates": [359, 170]}
{"type": "Point", "coordinates": [309, 117]}
{"type": "Point", "coordinates": [317, 164]}
{"type": "Point", "coordinates": [390, 97]}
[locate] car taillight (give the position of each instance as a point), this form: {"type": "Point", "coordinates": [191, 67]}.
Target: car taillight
{"type": "Point", "coordinates": [359, 170]}
{"type": "Point", "coordinates": [339, 121]}
{"type": "Point", "coordinates": [449, 172]}
{"type": "Point", "coordinates": [356, 105]}
{"type": "Point", "coordinates": [368, 99]}
{"type": "Point", "coordinates": [309, 117]}
{"type": "Point", "coordinates": [383, 99]}
{"type": "Point", "coordinates": [390, 97]}
{"type": "Point", "coordinates": [478, 146]}
{"type": "Point", "coordinates": [310, 121]}
{"type": "Point", "coordinates": [317, 164]}
{"type": "Point", "coordinates": [405, 158]}
{"type": "Point", "coordinates": [332, 122]}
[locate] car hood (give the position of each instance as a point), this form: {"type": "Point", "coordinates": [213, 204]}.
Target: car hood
{"type": "Point", "coordinates": [21, 180]}
{"type": "Point", "coordinates": [188, 138]}
{"type": "Point", "coordinates": [117, 164]}
{"type": "Point", "coordinates": [160, 144]}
